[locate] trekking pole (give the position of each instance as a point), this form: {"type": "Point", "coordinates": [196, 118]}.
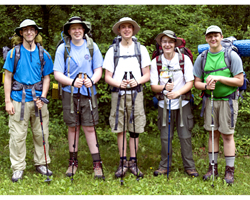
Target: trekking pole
{"type": "Point", "coordinates": [133, 108]}
{"type": "Point", "coordinates": [212, 125]}
{"type": "Point", "coordinates": [169, 121]}
{"type": "Point", "coordinates": [124, 116]}
{"type": "Point", "coordinates": [41, 120]}
{"type": "Point", "coordinates": [77, 114]}
{"type": "Point", "coordinates": [91, 110]}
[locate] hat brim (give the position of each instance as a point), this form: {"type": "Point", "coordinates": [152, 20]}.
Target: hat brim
{"type": "Point", "coordinates": [18, 29]}
{"type": "Point", "coordinates": [135, 25]}
{"type": "Point", "coordinates": [159, 36]}
{"type": "Point", "coordinates": [67, 25]}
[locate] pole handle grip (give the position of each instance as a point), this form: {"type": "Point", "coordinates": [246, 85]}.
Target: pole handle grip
{"type": "Point", "coordinates": [80, 75]}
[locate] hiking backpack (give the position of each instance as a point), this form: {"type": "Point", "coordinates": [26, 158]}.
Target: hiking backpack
{"type": "Point", "coordinates": [227, 43]}
{"type": "Point", "coordinates": [116, 49]}
{"type": "Point", "coordinates": [57, 88]}
{"type": "Point", "coordinates": [16, 43]}
{"type": "Point", "coordinates": [181, 50]}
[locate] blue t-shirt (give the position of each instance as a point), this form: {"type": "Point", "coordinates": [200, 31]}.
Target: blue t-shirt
{"type": "Point", "coordinates": [82, 63]}
{"type": "Point", "coordinates": [28, 70]}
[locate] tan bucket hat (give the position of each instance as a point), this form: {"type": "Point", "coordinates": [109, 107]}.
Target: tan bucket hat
{"type": "Point", "coordinates": [170, 34]}
{"type": "Point", "coordinates": [126, 20]}
{"type": "Point", "coordinates": [25, 23]}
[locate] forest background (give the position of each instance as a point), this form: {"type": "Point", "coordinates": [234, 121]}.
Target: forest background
{"type": "Point", "coordinates": [187, 21]}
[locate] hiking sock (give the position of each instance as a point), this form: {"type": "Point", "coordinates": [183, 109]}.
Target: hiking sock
{"type": "Point", "coordinates": [230, 161]}
{"type": "Point", "coordinates": [132, 158]}
{"type": "Point", "coordinates": [215, 157]}
{"type": "Point", "coordinates": [96, 157]}
{"type": "Point", "coordinates": [123, 158]}
{"type": "Point", "coordinates": [73, 155]}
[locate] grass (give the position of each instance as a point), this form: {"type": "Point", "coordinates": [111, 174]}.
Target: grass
{"type": "Point", "coordinates": [178, 183]}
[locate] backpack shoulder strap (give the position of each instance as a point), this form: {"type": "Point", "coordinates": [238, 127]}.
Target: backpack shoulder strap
{"type": "Point", "coordinates": [41, 51]}
{"type": "Point", "coordinates": [90, 45]}
{"type": "Point", "coordinates": [227, 56]}
{"type": "Point", "coordinates": [138, 52]}
{"type": "Point", "coordinates": [116, 49]}
{"type": "Point", "coordinates": [181, 59]}
{"type": "Point", "coordinates": [159, 65]}
{"type": "Point", "coordinates": [67, 45]}
{"type": "Point", "coordinates": [203, 60]}
{"type": "Point", "coordinates": [17, 56]}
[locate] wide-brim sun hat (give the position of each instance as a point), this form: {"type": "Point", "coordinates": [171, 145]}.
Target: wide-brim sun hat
{"type": "Point", "coordinates": [25, 23]}
{"type": "Point", "coordinates": [126, 20]}
{"type": "Point", "coordinates": [170, 34]}
{"type": "Point", "coordinates": [76, 20]}
{"type": "Point", "coordinates": [213, 29]}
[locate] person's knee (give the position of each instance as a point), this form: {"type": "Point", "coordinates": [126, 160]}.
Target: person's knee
{"type": "Point", "coordinates": [133, 135]}
{"type": "Point", "coordinates": [227, 138]}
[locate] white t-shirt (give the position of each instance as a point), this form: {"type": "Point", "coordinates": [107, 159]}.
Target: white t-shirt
{"type": "Point", "coordinates": [126, 64]}
{"type": "Point", "coordinates": [179, 79]}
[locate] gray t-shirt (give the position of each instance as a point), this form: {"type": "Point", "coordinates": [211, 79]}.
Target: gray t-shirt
{"type": "Point", "coordinates": [236, 64]}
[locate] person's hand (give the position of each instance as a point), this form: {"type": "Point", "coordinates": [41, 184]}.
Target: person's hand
{"type": "Point", "coordinates": [87, 83]}
{"type": "Point", "coordinates": [169, 86]}
{"type": "Point", "coordinates": [124, 84]}
{"type": "Point", "coordinates": [9, 108]}
{"type": "Point", "coordinates": [39, 103]}
{"type": "Point", "coordinates": [78, 82]}
{"type": "Point", "coordinates": [173, 95]}
{"type": "Point", "coordinates": [132, 82]}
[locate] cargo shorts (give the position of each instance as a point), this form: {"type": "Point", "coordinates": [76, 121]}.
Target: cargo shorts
{"type": "Point", "coordinates": [85, 113]}
{"type": "Point", "coordinates": [222, 116]}
{"type": "Point", "coordinates": [139, 113]}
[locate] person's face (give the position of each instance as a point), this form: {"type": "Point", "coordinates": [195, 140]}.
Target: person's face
{"type": "Point", "coordinates": [76, 31]}
{"type": "Point", "coordinates": [168, 44]}
{"type": "Point", "coordinates": [214, 39]}
{"type": "Point", "coordinates": [29, 33]}
{"type": "Point", "coordinates": [126, 30]}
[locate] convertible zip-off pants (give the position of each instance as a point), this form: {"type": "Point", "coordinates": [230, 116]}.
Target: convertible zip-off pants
{"type": "Point", "coordinates": [18, 133]}
{"type": "Point", "coordinates": [184, 134]}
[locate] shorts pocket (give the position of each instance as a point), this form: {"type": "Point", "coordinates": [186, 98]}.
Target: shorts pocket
{"type": "Point", "coordinates": [190, 122]}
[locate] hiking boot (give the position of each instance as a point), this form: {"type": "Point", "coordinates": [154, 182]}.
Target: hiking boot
{"type": "Point", "coordinates": [118, 172]}
{"type": "Point", "coordinates": [210, 172]}
{"type": "Point", "coordinates": [98, 169]}
{"type": "Point", "coordinates": [132, 168]}
{"type": "Point", "coordinates": [160, 171]}
{"type": "Point", "coordinates": [16, 176]}
{"type": "Point", "coordinates": [43, 170]}
{"type": "Point", "coordinates": [192, 172]}
{"type": "Point", "coordinates": [69, 171]}
{"type": "Point", "coordinates": [229, 175]}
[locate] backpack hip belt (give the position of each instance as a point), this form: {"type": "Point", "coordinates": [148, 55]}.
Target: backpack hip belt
{"type": "Point", "coordinates": [19, 86]}
{"type": "Point", "coordinates": [230, 98]}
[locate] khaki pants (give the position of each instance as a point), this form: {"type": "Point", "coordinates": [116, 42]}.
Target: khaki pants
{"type": "Point", "coordinates": [184, 134]}
{"type": "Point", "coordinates": [18, 134]}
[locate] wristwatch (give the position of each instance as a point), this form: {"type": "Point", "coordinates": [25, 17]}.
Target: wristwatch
{"type": "Point", "coordinates": [93, 82]}
{"type": "Point", "coordinates": [205, 86]}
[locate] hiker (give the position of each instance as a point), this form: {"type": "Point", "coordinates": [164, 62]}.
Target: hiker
{"type": "Point", "coordinates": [127, 62]}
{"type": "Point", "coordinates": [224, 83]}
{"type": "Point", "coordinates": [31, 79]}
{"type": "Point", "coordinates": [182, 82]}
{"type": "Point", "coordinates": [79, 60]}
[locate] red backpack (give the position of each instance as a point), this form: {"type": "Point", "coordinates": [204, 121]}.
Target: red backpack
{"type": "Point", "coordinates": [181, 50]}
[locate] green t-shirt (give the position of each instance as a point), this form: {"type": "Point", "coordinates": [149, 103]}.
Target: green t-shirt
{"type": "Point", "coordinates": [215, 62]}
